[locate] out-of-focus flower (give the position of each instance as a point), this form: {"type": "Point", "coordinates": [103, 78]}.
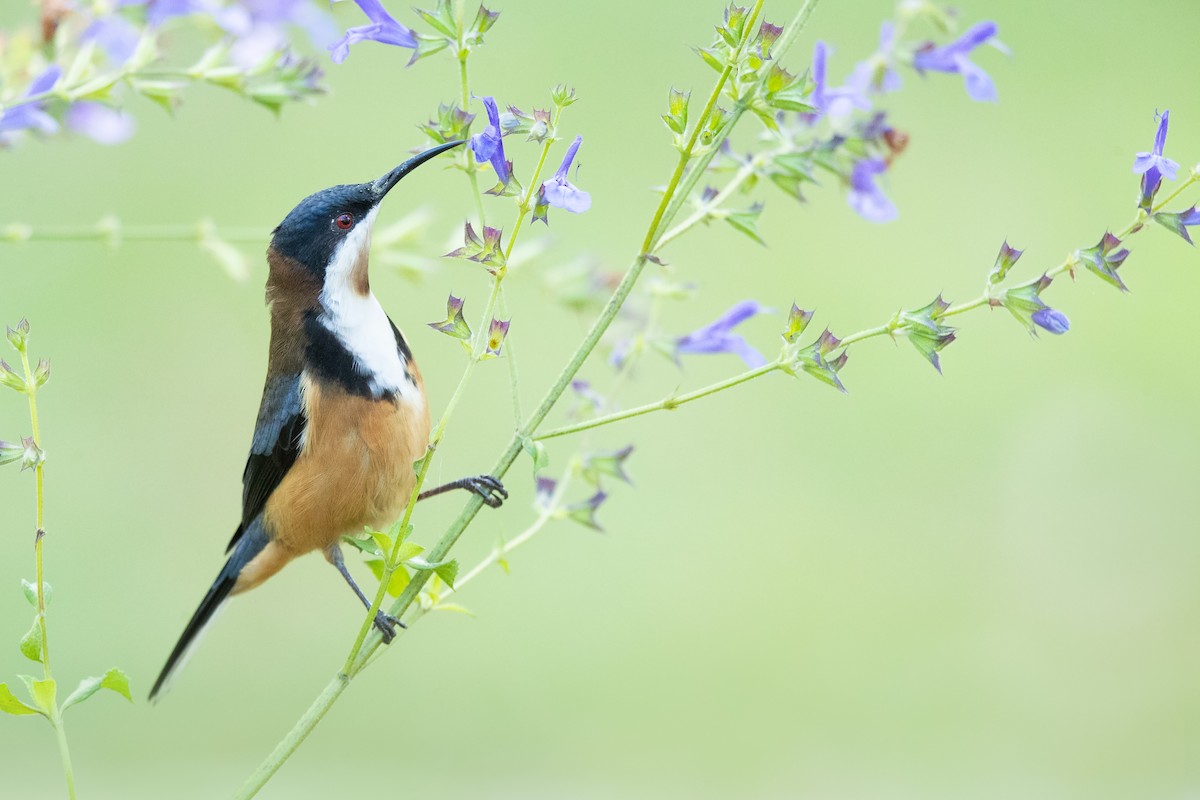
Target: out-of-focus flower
{"type": "Point", "coordinates": [561, 193]}
{"type": "Point", "coordinates": [865, 196]}
{"type": "Point", "coordinates": [878, 73]}
{"type": "Point", "coordinates": [26, 116]}
{"type": "Point", "coordinates": [836, 103]}
{"type": "Point", "coordinates": [953, 58]}
{"type": "Point", "coordinates": [383, 29]}
{"type": "Point", "coordinates": [115, 35]}
{"type": "Point", "coordinates": [719, 337]}
{"type": "Point", "coordinates": [103, 124]}
{"type": "Point", "coordinates": [584, 512]}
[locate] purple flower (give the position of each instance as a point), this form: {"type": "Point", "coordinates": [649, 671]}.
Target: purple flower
{"type": "Point", "coordinates": [1144, 162]}
{"type": "Point", "coordinates": [878, 73]}
{"type": "Point", "coordinates": [1153, 166]}
{"type": "Point", "coordinates": [953, 58]}
{"type": "Point", "coordinates": [20, 116]}
{"type": "Point", "coordinates": [1051, 319]}
{"type": "Point", "coordinates": [489, 146]}
{"type": "Point", "coordinates": [866, 197]}
{"type": "Point", "coordinates": [719, 337]}
{"type": "Point", "coordinates": [383, 29]}
{"type": "Point", "coordinates": [115, 35]}
{"type": "Point", "coordinates": [103, 124]}
{"type": "Point", "coordinates": [840, 102]}
{"type": "Point", "coordinates": [559, 192]}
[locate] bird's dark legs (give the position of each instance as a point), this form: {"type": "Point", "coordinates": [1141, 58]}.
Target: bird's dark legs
{"type": "Point", "coordinates": [490, 489]}
{"type": "Point", "coordinates": [384, 622]}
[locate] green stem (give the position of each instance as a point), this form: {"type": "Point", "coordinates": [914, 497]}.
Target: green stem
{"type": "Point", "coordinates": [31, 394]}
{"type": "Point", "coordinates": [112, 234]}
{"type": "Point", "coordinates": [551, 512]}
{"type": "Point", "coordinates": [666, 404]}
{"type": "Point", "coordinates": [60, 731]}
{"type": "Point", "coordinates": [439, 551]}
{"type": "Point", "coordinates": [514, 380]}
{"type": "Point", "coordinates": [702, 213]}
{"type": "Point", "coordinates": [333, 690]}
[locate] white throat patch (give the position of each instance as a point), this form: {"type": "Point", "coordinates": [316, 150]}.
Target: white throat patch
{"type": "Point", "coordinates": [359, 322]}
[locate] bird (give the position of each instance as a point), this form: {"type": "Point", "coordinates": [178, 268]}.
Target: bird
{"type": "Point", "coordinates": [343, 415]}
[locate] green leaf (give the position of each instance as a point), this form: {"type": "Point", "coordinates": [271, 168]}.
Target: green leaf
{"type": "Point", "coordinates": [363, 545]}
{"type": "Point", "coordinates": [537, 452]}
{"type": "Point", "coordinates": [399, 531]}
{"type": "Point", "coordinates": [164, 93]}
{"type": "Point", "coordinates": [382, 541]}
{"type": "Point", "coordinates": [42, 692]}
{"type": "Point", "coordinates": [448, 572]}
{"type": "Point", "coordinates": [9, 703]}
{"type": "Point", "coordinates": [30, 590]}
{"type": "Point", "coordinates": [399, 578]}
{"type": "Point", "coordinates": [114, 680]}
{"type": "Point", "coordinates": [409, 550]}
{"type": "Point", "coordinates": [31, 643]}
{"type": "Point", "coordinates": [747, 221]}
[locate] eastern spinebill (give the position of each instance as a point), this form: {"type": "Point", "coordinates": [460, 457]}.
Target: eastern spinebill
{"type": "Point", "coordinates": [343, 413]}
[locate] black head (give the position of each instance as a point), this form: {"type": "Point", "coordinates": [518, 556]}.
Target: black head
{"type": "Point", "coordinates": [315, 228]}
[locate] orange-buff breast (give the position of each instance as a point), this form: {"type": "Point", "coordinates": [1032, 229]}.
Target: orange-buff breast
{"type": "Point", "coordinates": [355, 469]}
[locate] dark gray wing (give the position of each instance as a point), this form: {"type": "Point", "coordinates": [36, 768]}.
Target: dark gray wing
{"type": "Point", "coordinates": [276, 444]}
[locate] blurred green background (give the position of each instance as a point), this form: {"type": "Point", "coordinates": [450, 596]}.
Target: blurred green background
{"type": "Point", "coordinates": [975, 585]}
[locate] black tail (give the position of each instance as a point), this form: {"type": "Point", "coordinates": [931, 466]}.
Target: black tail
{"type": "Point", "coordinates": [248, 546]}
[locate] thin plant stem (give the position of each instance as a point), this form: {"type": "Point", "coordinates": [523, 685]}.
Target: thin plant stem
{"type": "Point", "coordinates": [16, 234]}
{"type": "Point", "coordinates": [60, 731]}
{"type": "Point", "coordinates": [666, 404]}
{"type": "Point", "coordinates": [702, 213]}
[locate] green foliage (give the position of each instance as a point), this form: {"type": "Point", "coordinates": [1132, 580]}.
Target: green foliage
{"type": "Point", "coordinates": [10, 704]}
{"type": "Point", "coordinates": [31, 643]}
{"type": "Point", "coordinates": [114, 680]}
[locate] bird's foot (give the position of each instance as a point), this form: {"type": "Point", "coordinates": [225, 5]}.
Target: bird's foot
{"type": "Point", "coordinates": [387, 625]}
{"type": "Point", "coordinates": [489, 488]}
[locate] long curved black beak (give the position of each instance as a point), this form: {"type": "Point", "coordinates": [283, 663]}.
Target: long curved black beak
{"type": "Point", "coordinates": [385, 184]}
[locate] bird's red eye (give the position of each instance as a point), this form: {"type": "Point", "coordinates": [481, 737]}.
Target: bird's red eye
{"type": "Point", "coordinates": [344, 221]}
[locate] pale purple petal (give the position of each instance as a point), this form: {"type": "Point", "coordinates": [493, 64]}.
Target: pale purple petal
{"type": "Point", "coordinates": [384, 29]}
{"type": "Point", "coordinates": [865, 197]}
{"type": "Point", "coordinates": [115, 35]}
{"type": "Point", "coordinates": [979, 85]}
{"type": "Point", "coordinates": [561, 193]}
{"type": "Point", "coordinates": [103, 124]}
{"type": "Point", "coordinates": [719, 338]}
{"type": "Point", "coordinates": [1144, 162]}
{"type": "Point", "coordinates": [22, 117]}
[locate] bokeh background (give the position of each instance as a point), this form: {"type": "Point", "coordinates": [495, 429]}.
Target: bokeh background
{"type": "Point", "coordinates": [975, 585]}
